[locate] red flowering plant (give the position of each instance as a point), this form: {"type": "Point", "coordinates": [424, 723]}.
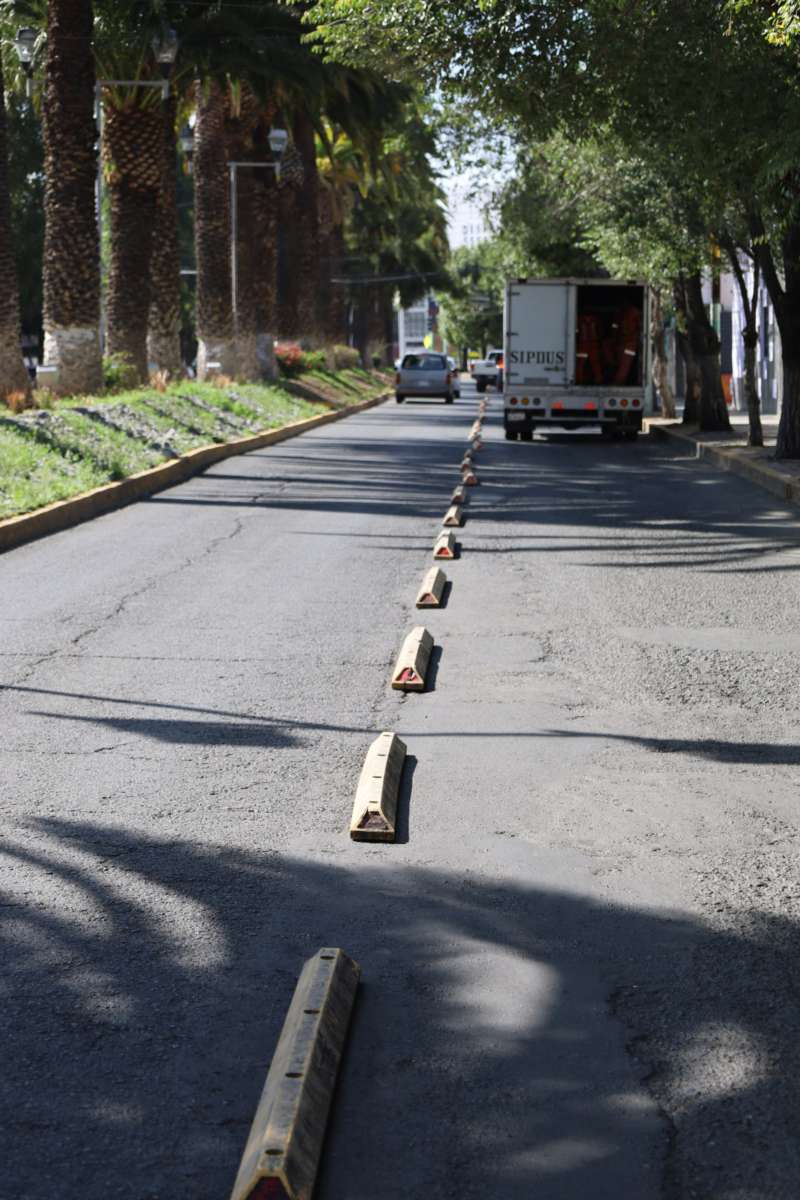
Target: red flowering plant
{"type": "Point", "coordinates": [289, 357]}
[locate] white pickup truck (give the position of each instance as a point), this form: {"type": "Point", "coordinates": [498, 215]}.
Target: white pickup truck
{"type": "Point", "coordinates": [577, 355]}
{"type": "Point", "coordinates": [485, 370]}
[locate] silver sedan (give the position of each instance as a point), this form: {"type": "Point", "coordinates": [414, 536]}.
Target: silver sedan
{"type": "Point", "coordinates": [425, 374]}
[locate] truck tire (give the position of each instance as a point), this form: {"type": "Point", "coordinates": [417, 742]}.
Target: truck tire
{"type": "Point", "coordinates": [511, 435]}
{"type": "Point", "coordinates": [480, 385]}
{"type": "Point", "coordinates": [526, 435]}
{"type": "Point", "coordinates": [449, 399]}
{"type": "Point", "coordinates": [399, 399]}
{"type": "Point", "coordinates": [630, 435]}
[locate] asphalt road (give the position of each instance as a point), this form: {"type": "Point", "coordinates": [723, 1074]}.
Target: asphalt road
{"type": "Point", "coordinates": [580, 960]}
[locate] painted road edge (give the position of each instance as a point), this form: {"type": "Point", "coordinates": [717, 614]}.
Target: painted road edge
{"type": "Point", "coordinates": [730, 460]}
{"type": "Point", "coordinates": [288, 1130]}
{"type": "Point", "coordinates": [374, 816]}
{"type": "Point", "coordinates": [64, 514]}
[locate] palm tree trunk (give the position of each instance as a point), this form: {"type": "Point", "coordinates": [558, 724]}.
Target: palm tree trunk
{"type": "Point", "coordinates": [215, 334]}
{"type": "Point", "coordinates": [288, 242]}
{"type": "Point", "coordinates": [132, 157]}
{"type": "Point", "coordinates": [13, 375]}
{"type": "Point", "coordinates": [71, 252]}
{"type": "Point", "coordinates": [337, 313]}
{"type": "Point", "coordinates": [307, 223]}
{"type": "Point", "coordinates": [241, 128]}
{"type": "Point", "coordinates": [164, 319]}
{"type": "Point", "coordinates": [265, 287]}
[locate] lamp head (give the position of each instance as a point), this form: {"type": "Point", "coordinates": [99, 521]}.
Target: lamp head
{"type": "Point", "coordinates": [277, 139]}
{"type": "Point", "coordinates": [165, 47]}
{"type": "Point", "coordinates": [25, 45]}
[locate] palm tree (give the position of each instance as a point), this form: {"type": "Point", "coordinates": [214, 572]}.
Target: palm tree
{"type": "Point", "coordinates": [164, 316]}
{"type": "Point", "coordinates": [215, 332]}
{"type": "Point", "coordinates": [305, 264]}
{"type": "Point", "coordinates": [71, 254]}
{"type": "Point", "coordinates": [132, 166]}
{"type": "Point", "coordinates": [13, 375]}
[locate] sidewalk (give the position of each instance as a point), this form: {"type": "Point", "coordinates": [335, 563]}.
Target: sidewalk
{"type": "Point", "coordinates": [730, 452]}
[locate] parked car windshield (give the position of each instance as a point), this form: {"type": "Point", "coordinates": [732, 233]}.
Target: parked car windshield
{"type": "Point", "coordinates": [424, 362]}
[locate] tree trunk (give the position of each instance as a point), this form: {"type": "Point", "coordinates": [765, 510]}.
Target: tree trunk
{"type": "Point", "coordinates": [333, 315]}
{"type": "Point", "coordinates": [307, 223]}
{"type": "Point", "coordinates": [706, 353]}
{"type": "Point", "coordinates": [13, 374]}
{"type": "Point", "coordinates": [71, 251]}
{"type": "Point", "coordinates": [750, 340]}
{"type": "Point", "coordinates": [215, 333]}
{"type": "Point", "coordinates": [265, 283]}
{"type": "Point", "coordinates": [375, 323]}
{"type": "Point", "coordinates": [749, 336]}
{"type": "Point", "coordinates": [164, 320]}
{"type": "Point", "coordinates": [132, 158]}
{"type": "Point", "coordinates": [785, 297]}
{"type": "Point", "coordinates": [241, 127]}
{"type": "Point", "coordinates": [266, 280]}
{"type": "Point", "coordinates": [660, 379]}
{"type": "Point", "coordinates": [288, 242]}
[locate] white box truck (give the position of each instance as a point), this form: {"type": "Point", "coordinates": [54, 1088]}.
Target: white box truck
{"type": "Point", "coordinates": [577, 355]}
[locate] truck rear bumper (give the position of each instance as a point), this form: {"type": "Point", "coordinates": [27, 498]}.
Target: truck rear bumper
{"type": "Point", "coordinates": [517, 421]}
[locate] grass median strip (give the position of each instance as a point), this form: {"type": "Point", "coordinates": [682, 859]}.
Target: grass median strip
{"type": "Point", "coordinates": [54, 453]}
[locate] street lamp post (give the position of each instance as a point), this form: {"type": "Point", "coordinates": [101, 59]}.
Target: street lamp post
{"type": "Point", "coordinates": [25, 46]}
{"type": "Point", "coordinates": [277, 139]}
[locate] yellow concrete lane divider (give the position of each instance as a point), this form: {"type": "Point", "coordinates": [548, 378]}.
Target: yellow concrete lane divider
{"type": "Point", "coordinates": [453, 516]}
{"type": "Point", "coordinates": [283, 1150]}
{"type": "Point", "coordinates": [459, 496]}
{"type": "Point", "coordinates": [445, 546]}
{"type": "Point", "coordinates": [477, 445]}
{"type": "Point", "coordinates": [431, 589]}
{"type": "Point", "coordinates": [374, 816]}
{"type": "Point", "coordinates": [412, 661]}
{"type": "Point", "coordinates": [475, 430]}
{"type": "Point", "coordinates": [469, 477]}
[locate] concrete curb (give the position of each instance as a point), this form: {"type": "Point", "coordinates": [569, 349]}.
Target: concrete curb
{"type": "Point", "coordinates": [15, 531]}
{"type": "Point", "coordinates": [730, 460]}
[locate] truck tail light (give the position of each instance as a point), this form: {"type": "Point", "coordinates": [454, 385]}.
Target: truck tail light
{"type": "Point", "coordinates": [513, 400]}
{"type": "Point", "coordinates": [636, 403]}
{"type": "Point", "coordinates": [525, 400]}
{"type": "Point", "coordinates": [623, 403]}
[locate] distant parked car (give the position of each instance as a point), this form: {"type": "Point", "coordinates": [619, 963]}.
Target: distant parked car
{"type": "Point", "coordinates": [425, 374]}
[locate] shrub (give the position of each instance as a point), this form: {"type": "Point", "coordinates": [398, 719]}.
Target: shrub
{"type": "Point", "coordinates": [118, 373]}
{"type": "Point", "coordinates": [19, 401]}
{"type": "Point", "coordinates": [314, 360]}
{"type": "Point", "coordinates": [289, 357]}
{"type": "Point", "coordinates": [377, 361]}
{"type": "Point", "coordinates": [345, 357]}
{"type": "Point", "coordinates": [159, 380]}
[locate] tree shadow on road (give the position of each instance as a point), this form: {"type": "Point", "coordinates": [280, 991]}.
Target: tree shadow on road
{"type": "Point", "coordinates": [145, 995]}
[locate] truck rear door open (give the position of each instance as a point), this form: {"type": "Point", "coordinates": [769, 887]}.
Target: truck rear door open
{"type": "Point", "coordinates": [538, 349]}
